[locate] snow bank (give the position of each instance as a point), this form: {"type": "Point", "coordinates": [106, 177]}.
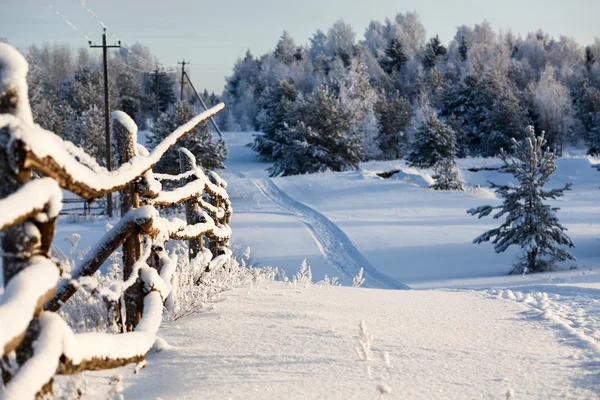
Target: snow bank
{"type": "Point", "coordinates": [413, 177]}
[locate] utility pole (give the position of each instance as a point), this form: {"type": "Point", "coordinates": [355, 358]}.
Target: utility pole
{"type": "Point", "coordinates": [104, 47]}
{"type": "Point", "coordinates": [183, 73]}
{"type": "Point", "coordinates": [203, 104]}
{"type": "Point", "coordinates": [155, 75]}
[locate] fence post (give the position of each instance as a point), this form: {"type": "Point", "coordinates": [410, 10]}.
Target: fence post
{"type": "Point", "coordinates": [195, 245]}
{"type": "Point", "coordinates": [125, 142]}
{"type": "Point", "coordinates": [30, 237]}
{"type": "Point", "coordinates": [215, 243]}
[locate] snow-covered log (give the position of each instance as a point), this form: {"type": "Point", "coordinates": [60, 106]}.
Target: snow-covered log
{"type": "Point", "coordinates": [23, 298]}
{"type": "Point", "coordinates": [137, 220]}
{"type": "Point", "coordinates": [40, 198]}
{"type": "Point", "coordinates": [46, 152]}
{"type": "Point", "coordinates": [58, 350]}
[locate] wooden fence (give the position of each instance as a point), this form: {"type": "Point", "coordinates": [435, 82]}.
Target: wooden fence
{"type": "Point", "coordinates": [36, 343]}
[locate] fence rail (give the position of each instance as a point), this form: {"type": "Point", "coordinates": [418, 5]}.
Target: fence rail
{"type": "Point", "coordinates": [36, 342]}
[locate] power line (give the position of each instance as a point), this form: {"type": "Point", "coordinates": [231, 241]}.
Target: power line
{"type": "Point", "coordinates": [66, 20]}
{"type": "Point", "coordinates": [93, 14]}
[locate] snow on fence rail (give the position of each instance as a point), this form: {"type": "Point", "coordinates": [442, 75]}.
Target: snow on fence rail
{"type": "Point", "coordinates": [36, 343]}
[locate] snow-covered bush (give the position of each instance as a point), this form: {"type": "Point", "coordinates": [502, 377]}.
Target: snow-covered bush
{"type": "Point", "coordinates": [358, 280]}
{"type": "Point", "coordinates": [304, 275]}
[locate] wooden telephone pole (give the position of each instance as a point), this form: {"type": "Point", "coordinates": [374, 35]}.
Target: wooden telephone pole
{"type": "Point", "coordinates": [182, 81]}
{"type": "Point", "coordinates": [104, 47]}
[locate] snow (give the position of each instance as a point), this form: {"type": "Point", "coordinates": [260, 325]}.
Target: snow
{"type": "Point", "coordinates": [127, 123]}
{"type": "Point", "coordinates": [486, 335]}
{"type": "Point", "coordinates": [32, 196]}
{"type": "Point", "coordinates": [13, 73]}
{"type": "Point", "coordinates": [39, 369]}
{"type": "Point", "coordinates": [279, 341]}
{"type": "Point", "coordinates": [414, 177]}
{"type": "Point", "coordinates": [22, 295]}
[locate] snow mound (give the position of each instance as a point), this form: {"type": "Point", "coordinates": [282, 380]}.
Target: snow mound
{"type": "Point", "coordinates": [413, 177]}
{"type": "Point", "coordinates": [480, 192]}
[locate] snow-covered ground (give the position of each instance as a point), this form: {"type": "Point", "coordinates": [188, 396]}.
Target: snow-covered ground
{"type": "Point", "coordinates": [480, 334]}
{"type": "Point", "coordinates": [280, 341]}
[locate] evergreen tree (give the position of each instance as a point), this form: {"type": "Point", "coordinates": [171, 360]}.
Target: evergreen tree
{"type": "Point", "coordinates": [590, 58]}
{"type": "Point", "coordinates": [395, 57]}
{"type": "Point", "coordinates": [530, 224]}
{"type": "Point", "coordinates": [166, 94]}
{"type": "Point", "coordinates": [433, 142]}
{"type": "Point", "coordinates": [86, 130]}
{"type": "Point", "coordinates": [433, 50]}
{"type": "Point", "coordinates": [209, 153]}
{"type": "Point", "coordinates": [446, 176]}
{"type": "Point", "coordinates": [130, 95]}
{"type": "Point", "coordinates": [321, 141]}
{"type": "Point", "coordinates": [393, 116]}
{"type": "Point", "coordinates": [276, 111]}
{"type": "Point", "coordinates": [358, 97]}
{"type": "Point", "coordinates": [285, 48]}
{"type": "Point", "coordinates": [463, 49]}
{"type": "Point", "coordinates": [589, 111]}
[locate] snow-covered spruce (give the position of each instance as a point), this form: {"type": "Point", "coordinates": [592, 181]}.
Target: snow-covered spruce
{"type": "Point", "coordinates": [446, 176]}
{"type": "Point", "coordinates": [530, 224]}
{"type": "Point", "coordinates": [433, 140]}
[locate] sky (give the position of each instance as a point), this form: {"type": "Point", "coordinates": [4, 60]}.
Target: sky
{"type": "Point", "coordinates": [214, 34]}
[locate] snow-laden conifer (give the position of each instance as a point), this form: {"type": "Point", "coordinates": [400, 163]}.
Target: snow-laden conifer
{"type": "Point", "coordinates": [433, 140]}
{"type": "Point", "coordinates": [530, 224]}
{"type": "Point", "coordinates": [446, 176]}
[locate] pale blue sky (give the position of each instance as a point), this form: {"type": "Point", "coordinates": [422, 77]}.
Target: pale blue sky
{"type": "Point", "coordinates": [213, 34]}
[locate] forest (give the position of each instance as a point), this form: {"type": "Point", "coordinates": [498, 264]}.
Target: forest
{"type": "Point", "coordinates": [397, 93]}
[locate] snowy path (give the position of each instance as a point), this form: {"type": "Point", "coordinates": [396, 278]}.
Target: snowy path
{"type": "Point", "coordinates": [289, 342]}
{"type": "Point", "coordinates": [331, 240]}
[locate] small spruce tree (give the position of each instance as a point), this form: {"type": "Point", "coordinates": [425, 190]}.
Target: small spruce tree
{"type": "Point", "coordinates": [530, 224]}
{"type": "Point", "coordinates": [433, 142]}
{"type": "Point", "coordinates": [446, 176]}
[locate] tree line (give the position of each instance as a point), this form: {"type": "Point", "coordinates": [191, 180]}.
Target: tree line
{"type": "Point", "coordinates": [336, 101]}
{"type": "Point", "coordinates": [67, 97]}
